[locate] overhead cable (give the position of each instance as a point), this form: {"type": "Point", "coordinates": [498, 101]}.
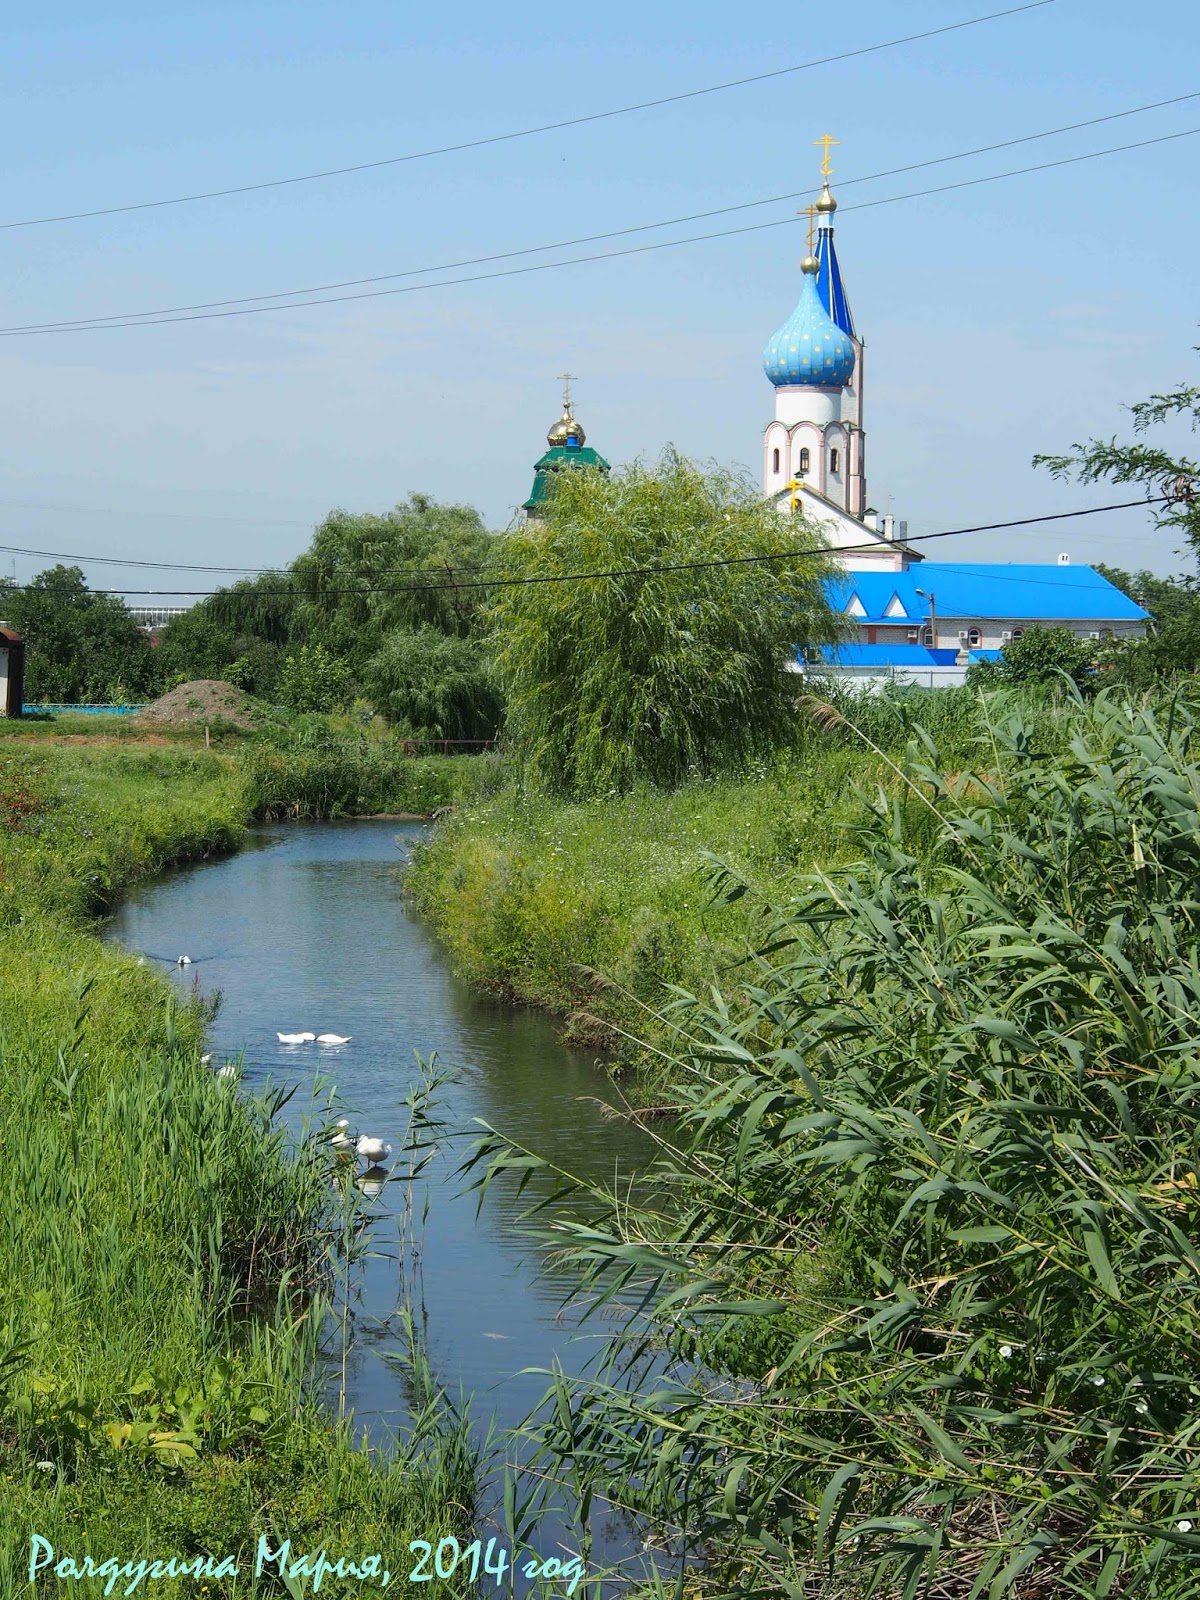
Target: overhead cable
{"type": "Point", "coordinates": [133, 317]}
{"type": "Point", "coordinates": [315, 592]}
{"type": "Point", "coordinates": [525, 133]}
{"type": "Point", "coordinates": [32, 330]}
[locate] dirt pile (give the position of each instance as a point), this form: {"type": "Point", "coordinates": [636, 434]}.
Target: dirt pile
{"type": "Point", "coordinates": [203, 700]}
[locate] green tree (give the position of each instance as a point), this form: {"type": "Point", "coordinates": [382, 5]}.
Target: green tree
{"type": "Point", "coordinates": [435, 684]}
{"type": "Point", "coordinates": [644, 674]}
{"type": "Point", "coordinates": [1169, 652]}
{"type": "Point", "coordinates": [314, 680]}
{"type": "Point", "coordinates": [1040, 655]}
{"type": "Point", "coordinates": [1166, 474]}
{"type": "Point", "coordinates": [362, 578]}
{"type": "Point", "coordinates": [79, 644]}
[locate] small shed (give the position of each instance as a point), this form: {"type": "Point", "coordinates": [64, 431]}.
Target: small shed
{"type": "Point", "coordinates": [12, 671]}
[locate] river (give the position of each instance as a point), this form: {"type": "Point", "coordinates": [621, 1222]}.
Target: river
{"type": "Point", "coordinates": [307, 930]}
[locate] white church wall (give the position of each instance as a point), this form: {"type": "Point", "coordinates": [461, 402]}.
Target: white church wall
{"type": "Point", "coordinates": [806, 403]}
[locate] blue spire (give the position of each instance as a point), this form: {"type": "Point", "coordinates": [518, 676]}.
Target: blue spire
{"type": "Point", "coordinates": [810, 348]}
{"type": "Point", "coordinates": [829, 282]}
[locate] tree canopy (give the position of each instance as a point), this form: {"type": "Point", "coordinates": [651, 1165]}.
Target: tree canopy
{"type": "Point", "coordinates": [364, 581]}
{"type": "Point", "coordinates": [80, 646]}
{"type": "Point", "coordinates": [642, 672]}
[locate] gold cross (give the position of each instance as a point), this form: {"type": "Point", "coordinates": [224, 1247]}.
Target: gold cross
{"type": "Point", "coordinates": [810, 212]}
{"type": "Point", "coordinates": [826, 140]}
{"type": "Point", "coordinates": [793, 485]}
{"type": "Point", "coordinates": [566, 382]}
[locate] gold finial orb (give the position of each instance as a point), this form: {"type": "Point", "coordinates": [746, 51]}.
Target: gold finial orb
{"type": "Point", "coordinates": [563, 429]}
{"type": "Point", "coordinates": [826, 203]}
{"type": "Point", "coordinates": [810, 264]}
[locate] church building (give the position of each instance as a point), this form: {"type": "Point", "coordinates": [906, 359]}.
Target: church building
{"type": "Point", "coordinates": [815, 463]}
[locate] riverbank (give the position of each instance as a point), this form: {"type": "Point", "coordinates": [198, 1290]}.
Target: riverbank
{"type": "Point", "coordinates": [595, 911]}
{"type": "Point", "coordinates": [166, 1256]}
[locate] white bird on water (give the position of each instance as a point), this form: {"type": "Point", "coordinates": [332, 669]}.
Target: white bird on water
{"type": "Point", "coordinates": [373, 1150]}
{"type": "Point", "coordinates": [295, 1038]}
{"type": "Point", "coordinates": [204, 1060]}
{"type": "Point", "coordinates": [227, 1071]}
{"type": "Point", "coordinates": [341, 1139]}
{"type": "Point", "coordinates": [334, 1038]}
{"type": "Point", "coordinates": [183, 961]}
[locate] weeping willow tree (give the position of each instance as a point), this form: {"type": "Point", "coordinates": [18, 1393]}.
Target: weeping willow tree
{"type": "Point", "coordinates": [671, 656]}
{"type": "Point", "coordinates": [919, 1290]}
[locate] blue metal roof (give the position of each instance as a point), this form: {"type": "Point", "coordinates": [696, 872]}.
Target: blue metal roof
{"type": "Point", "coordinates": [829, 283]}
{"type": "Point", "coordinates": [973, 591]}
{"type": "Point", "coordinates": [887, 655]}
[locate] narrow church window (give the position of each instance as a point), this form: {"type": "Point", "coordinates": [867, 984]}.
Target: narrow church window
{"type": "Point", "coordinates": [803, 467]}
{"type": "Point", "coordinates": [974, 638]}
{"type": "Point", "coordinates": [775, 462]}
{"type": "Point", "coordinates": [834, 458]}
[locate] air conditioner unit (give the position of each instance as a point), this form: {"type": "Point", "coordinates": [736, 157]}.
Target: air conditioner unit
{"type": "Point", "coordinates": [914, 636]}
{"type": "Point", "coordinates": [964, 635]}
{"type": "Point", "coordinates": [1093, 635]}
{"type": "Point", "coordinates": [1006, 636]}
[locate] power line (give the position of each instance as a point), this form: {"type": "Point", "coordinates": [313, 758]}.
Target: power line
{"type": "Point", "coordinates": [35, 329]}
{"type": "Point", "coordinates": [633, 572]}
{"type": "Point", "coordinates": [135, 317]}
{"type": "Point", "coordinates": [122, 561]}
{"type": "Point", "coordinates": [175, 516]}
{"type": "Point", "coordinates": [526, 133]}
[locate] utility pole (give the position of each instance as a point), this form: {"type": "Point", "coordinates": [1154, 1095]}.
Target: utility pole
{"type": "Point", "coordinates": [932, 614]}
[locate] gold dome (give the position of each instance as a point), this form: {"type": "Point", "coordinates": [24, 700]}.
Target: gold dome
{"type": "Point", "coordinates": [564, 428]}
{"type": "Point", "coordinates": [826, 202]}
{"type": "Point", "coordinates": [810, 264]}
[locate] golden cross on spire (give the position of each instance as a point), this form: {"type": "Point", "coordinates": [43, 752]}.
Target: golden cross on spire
{"type": "Point", "coordinates": [826, 140]}
{"type": "Point", "coordinates": [567, 378]}
{"type": "Point", "coordinates": [810, 212]}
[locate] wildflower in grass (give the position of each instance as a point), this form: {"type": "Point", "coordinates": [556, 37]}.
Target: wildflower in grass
{"type": "Point", "coordinates": [1184, 1526]}
{"type": "Point", "coordinates": [1005, 1351]}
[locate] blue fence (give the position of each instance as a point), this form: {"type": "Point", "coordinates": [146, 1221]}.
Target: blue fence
{"type": "Point", "coordinates": [86, 711]}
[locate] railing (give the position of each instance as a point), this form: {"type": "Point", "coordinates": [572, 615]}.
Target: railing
{"type": "Point", "coordinates": [445, 747]}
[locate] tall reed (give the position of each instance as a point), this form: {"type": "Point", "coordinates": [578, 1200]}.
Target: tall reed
{"type": "Point", "coordinates": [925, 1269]}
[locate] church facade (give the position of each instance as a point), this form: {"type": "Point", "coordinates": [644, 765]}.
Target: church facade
{"type": "Point", "coordinates": [815, 463]}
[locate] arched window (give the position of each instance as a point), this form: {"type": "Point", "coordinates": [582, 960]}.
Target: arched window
{"type": "Point", "coordinates": [974, 638]}
{"type": "Point", "coordinates": [927, 635]}
{"type": "Point", "coordinates": [803, 466]}
{"type": "Point", "coordinates": [834, 458]}
{"type": "Point", "coordinates": [775, 461]}
{"type": "Point", "coordinates": [1017, 632]}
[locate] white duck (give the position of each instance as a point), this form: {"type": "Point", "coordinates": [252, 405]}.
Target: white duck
{"type": "Point", "coordinates": [373, 1150]}
{"type": "Point", "coordinates": [295, 1038]}
{"type": "Point", "coordinates": [183, 961]}
{"type": "Point", "coordinates": [341, 1139]}
{"type": "Point", "coordinates": [228, 1071]}
{"type": "Point", "coordinates": [334, 1038]}
{"type": "Point", "coordinates": [204, 1060]}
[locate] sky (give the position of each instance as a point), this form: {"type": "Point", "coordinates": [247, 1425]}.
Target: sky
{"type": "Point", "coordinates": [1000, 319]}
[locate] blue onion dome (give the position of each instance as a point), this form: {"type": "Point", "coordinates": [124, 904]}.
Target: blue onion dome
{"type": "Point", "coordinates": [810, 348]}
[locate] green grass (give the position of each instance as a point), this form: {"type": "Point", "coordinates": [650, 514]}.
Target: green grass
{"type": "Point", "coordinates": [166, 1256]}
